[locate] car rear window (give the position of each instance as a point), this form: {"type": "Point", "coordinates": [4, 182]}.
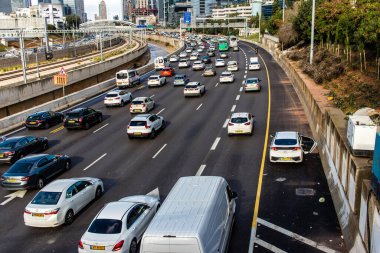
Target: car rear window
{"type": "Point", "coordinates": [138, 102]}
{"type": "Point", "coordinates": [225, 74]}
{"type": "Point", "coordinates": [111, 95]}
{"type": "Point", "coordinates": [154, 77]}
{"type": "Point", "coordinates": [20, 167]}
{"type": "Point", "coordinates": [46, 198]}
{"type": "Point", "coordinates": [105, 226]}
{"type": "Point", "coordinates": [191, 86]}
{"type": "Point", "coordinates": [251, 81]}
{"type": "Point", "coordinates": [35, 117]}
{"type": "Point", "coordinates": [137, 123]}
{"type": "Point", "coordinates": [178, 78]}
{"type": "Point", "coordinates": [71, 115]}
{"type": "Point", "coordinates": [239, 120]}
{"type": "Point", "coordinates": [285, 142]}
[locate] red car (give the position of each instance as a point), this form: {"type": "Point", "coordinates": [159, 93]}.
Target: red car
{"type": "Point", "coordinates": [168, 71]}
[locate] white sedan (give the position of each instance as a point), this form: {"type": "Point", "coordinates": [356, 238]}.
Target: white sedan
{"type": "Point", "coordinates": [183, 63]}
{"type": "Point", "coordinates": [145, 125]}
{"type": "Point", "coordinates": [240, 123]}
{"type": "Point", "coordinates": [117, 98]}
{"type": "Point", "coordinates": [174, 58]}
{"type": "Point", "coordinates": [119, 226]}
{"type": "Point", "coordinates": [156, 80]}
{"type": "Point", "coordinates": [194, 56]}
{"type": "Point", "coordinates": [226, 77]}
{"type": "Point", "coordinates": [194, 89]}
{"type": "Point", "coordinates": [58, 202]}
{"type": "Point", "coordinates": [198, 65]}
{"type": "Point", "coordinates": [220, 63]}
{"type": "Point", "coordinates": [183, 55]}
{"type": "Point", "coordinates": [290, 146]}
{"type": "Point", "coordinates": [232, 66]}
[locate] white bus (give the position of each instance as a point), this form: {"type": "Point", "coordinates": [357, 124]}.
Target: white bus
{"type": "Point", "coordinates": [160, 63]}
{"type": "Point", "coordinates": [233, 41]}
{"type": "Point", "coordinates": [127, 78]}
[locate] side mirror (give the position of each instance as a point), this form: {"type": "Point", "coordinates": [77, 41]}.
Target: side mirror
{"type": "Point", "coordinates": [234, 195]}
{"type": "Point", "coordinates": [271, 135]}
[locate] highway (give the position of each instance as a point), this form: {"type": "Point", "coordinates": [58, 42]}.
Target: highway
{"type": "Point", "coordinates": [195, 142]}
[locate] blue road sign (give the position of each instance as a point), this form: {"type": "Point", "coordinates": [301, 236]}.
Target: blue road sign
{"type": "Point", "coordinates": [187, 17]}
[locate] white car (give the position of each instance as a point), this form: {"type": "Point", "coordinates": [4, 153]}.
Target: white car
{"type": "Point", "coordinates": [220, 63]}
{"type": "Point", "coordinates": [117, 98]}
{"type": "Point", "coordinates": [223, 55]}
{"type": "Point", "coordinates": [194, 89]}
{"type": "Point", "coordinates": [59, 202]}
{"type": "Point", "coordinates": [198, 65]}
{"type": "Point", "coordinates": [254, 63]}
{"type": "Point", "coordinates": [226, 77]}
{"type": "Point", "coordinates": [232, 66]}
{"type": "Point", "coordinates": [183, 55]}
{"type": "Point", "coordinates": [189, 50]}
{"type": "Point", "coordinates": [240, 123]}
{"type": "Point", "coordinates": [290, 146]}
{"type": "Point", "coordinates": [252, 84]}
{"type": "Point", "coordinates": [174, 58]}
{"type": "Point", "coordinates": [156, 80]}
{"type": "Point", "coordinates": [183, 63]}
{"type": "Point", "coordinates": [142, 105]}
{"type": "Point", "coordinates": [200, 50]}
{"type": "Point", "coordinates": [194, 56]}
{"type": "Point", "coordinates": [120, 225]}
{"type": "Point", "coordinates": [145, 125]}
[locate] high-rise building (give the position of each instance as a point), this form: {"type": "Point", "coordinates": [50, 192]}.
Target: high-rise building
{"type": "Point", "coordinates": [77, 8]}
{"type": "Point", "coordinates": [102, 10]}
{"type": "Point", "coordinates": [6, 6]}
{"type": "Point", "coordinates": [202, 8]}
{"type": "Point", "coordinates": [16, 4]}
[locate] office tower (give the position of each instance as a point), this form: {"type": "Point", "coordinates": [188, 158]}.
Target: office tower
{"type": "Point", "coordinates": [102, 10]}
{"type": "Point", "coordinates": [77, 8]}
{"type": "Point", "coordinates": [6, 6]}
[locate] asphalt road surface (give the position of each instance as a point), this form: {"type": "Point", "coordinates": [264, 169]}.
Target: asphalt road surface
{"type": "Point", "coordinates": [194, 126]}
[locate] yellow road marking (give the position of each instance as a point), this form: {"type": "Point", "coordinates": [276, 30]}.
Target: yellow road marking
{"type": "Point", "coordinates": [57, 129]}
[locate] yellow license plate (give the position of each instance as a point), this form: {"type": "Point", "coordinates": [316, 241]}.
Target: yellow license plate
{"type": "Point", "coordinates": [1, 155]}
{"type": "Point", "coordinates": [12, 180]}
{"type": "Point", "coordinates": [239, 131]}
{"type": "Point", "coordinates": [38, 215]}
{"type": "Point", "coordinates": [137, 110]}
{"type": "Point", "coordinates": [71, 121]}
{"type": "Point", "coordinates": [286, 159]}
{"type": "Point", "coordinates": [32, 123]}
{"type": "Point", "coordinates": [94, 247]}
{"type": "Point", "coordinates": [137, 133]}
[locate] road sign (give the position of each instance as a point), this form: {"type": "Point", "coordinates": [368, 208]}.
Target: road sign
{"type": "Point", "coordinates": [187, 17]}
{"type": "Point", "coordinates": [62, 72]}
{"type": "Point", "coordinates": [60, 79]}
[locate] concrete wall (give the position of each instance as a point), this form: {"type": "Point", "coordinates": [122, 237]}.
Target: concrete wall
{"type": "Point", "coordinates": [346, 174]}
{"type": "Point", "coordinates": [11, 122]}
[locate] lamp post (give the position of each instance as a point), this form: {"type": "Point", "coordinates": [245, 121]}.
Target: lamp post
{"type": "Point", "coordinates": [312, 33]}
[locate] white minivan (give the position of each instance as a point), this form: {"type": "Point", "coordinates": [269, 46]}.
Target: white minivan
{"type": "Point", "coordinates": [160, 63]}
{"type": "Point", "coordinates": [254, 63]}
{"type": "Point", "coordinates": [197, 216]}
{"type": "Point", "coordinates": [127, 78]}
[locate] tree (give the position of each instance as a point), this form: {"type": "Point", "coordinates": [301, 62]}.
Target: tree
{"type": "Point", "coordinates": [73, 21]}
{"type": "Point", "coordinates": [51, 27]}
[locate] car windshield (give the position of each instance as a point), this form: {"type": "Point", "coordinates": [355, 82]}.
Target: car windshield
{"type": "Point", "coordinates": [111, 95]}
{"type": "Point", "coordinates": [105, 226]}
{"type": "Point", "coordinates": [285, 142]}
{"type": "Point", "coordinates": [20, 167]}
{"type": "Point", "coordinates": [238, 120]}
{"type": "Point", "coordinates": [73, 115]}
{"type": "Point", "coordinates": [137, 123]}
{"type": "Point", "coordinates": [121, 75]}
{"type": "Point", "coordinates": [232, 63]}
{"type": "Point", "coordinates": [8, 144]}
{"type": "Point", "coordinates": [46, 198]}
{"type": "Point", "coordinates": [226, 74]}
{"type": "Point", "coordinates": [252, 81]}
{"type": "Point", "coordinates": [178, 78]}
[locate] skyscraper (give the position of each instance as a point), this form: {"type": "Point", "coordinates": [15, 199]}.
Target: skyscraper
{"type": "Point", "coordinates": [77, 8]}
{"type": "Point", "coordinates": [6, 6]}
{"type": "Point", "coordinates": [102, 10]}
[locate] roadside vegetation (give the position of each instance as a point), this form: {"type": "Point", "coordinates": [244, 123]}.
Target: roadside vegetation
{"type": "Point", "coordinates": [347, 47]}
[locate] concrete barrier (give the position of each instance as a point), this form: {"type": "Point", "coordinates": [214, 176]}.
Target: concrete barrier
{"type": "Point", "coordinates": [17, 120]}
{"type": "Point", "coordinates": [347, 175]}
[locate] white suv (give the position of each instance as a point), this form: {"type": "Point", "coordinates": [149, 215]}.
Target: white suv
{"type": "Point", "coordinates": [145, 125]}
{"type": "Point", "coordinates": [156, 80]}
{"type": "Point", "coordinates": [142, 105]}
{"type": "Point", "coordinates": [117, 98]}
{"type": "Point", "coordinates": [232, 66]}
{"type": "Point", "coordinates": [290, 147]}
{"type": "Point", "coordinates": [240, 123]}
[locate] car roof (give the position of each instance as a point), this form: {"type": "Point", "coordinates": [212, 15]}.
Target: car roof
{"type": "Point", "coordinates": [32, 158]}
{"type": "Point", "coordinates": [226, 72]}
{"type": "Point", "coordinates": [232, 61]}
{"type": "Point", "coordinates": [167, 68]}
{"type": "Point", "coordinates": [180, 75]}
{"type": "Point", "coordinates": [252, 78]}
{"type": "Point", "coordinates": [286, 135]}
{"type": "Point", "coordinates": [60, 185]}
{"type": "Point", "coordinates": [77, 109]}
{"type": "Point", "coordinates": [219, 60]}
{"type": "Point", "coordinates": [239, 114]}
{"type": "Point", "coordinates": [14, 138]}
{"type": "Point", "coordinates": [197, 62]}
{"type": "Point", "coordinates": [193, 83]}
{"type": "Point", "coordinates": [141, 117]}
{"type": "Point", "coordinates": [155, 76]}
{"type": "Point", "coordinates": [38, 113]}
{"type": "Point", "coordinates": [115, 210]}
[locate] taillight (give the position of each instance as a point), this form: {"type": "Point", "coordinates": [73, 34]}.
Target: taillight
{"type": "Point", "coordinates": [296, 148]}
{"type": "Point", "coordinates": [247, 124]}
{"type": "Point", "coordinates": [118, 246]}
{"type": "Point", "coordinates": [55, 211]}
{"type": "Point", "coordinates": [80, 120]}
{"type": "Point", "coordinates": [58, 156]}
{"type": "Point", "coordinates": [8, 153]}
{"type": "Point", "coordinates": [24, 179]}
{"type": "Point", "coordinates": [143, 105]}
{"type": "Point", "coordinates": [273, 148]}
{"type": "Point", "coordinates": [146, 125]}
{"type": "Point", "coordinates": [39, 121]}
{"type": "Point", "coordinates": [80, 244]}
{"type": "Point", "coordinates": [230, 124]}
{"type": "Point", "coordinates": [27, 211]}
{"type": "Point", "coordinates": [117, 98]}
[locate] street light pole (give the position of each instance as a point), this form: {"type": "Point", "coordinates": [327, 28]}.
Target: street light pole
{"type": "Point", "coordinates": [22, 52]}
{"type": "Point", "coordinates": [164, 14]}
{"type": "Point", "coordinates": [312, 33]}
{"type": "Point", "coordinates": [283, 11]}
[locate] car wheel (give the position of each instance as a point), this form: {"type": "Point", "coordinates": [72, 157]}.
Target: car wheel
{"type": "Point", "coordinates": [67, 165]}
{"type": "Point", "coordinates": [122, 103]}
{"type": "Point", "coordinates": [133, 247]}
{"type": "Point", "coordinates": [130, 136]}
{"type": "Point", "coordinates": [163, 124]}
{"type": "Point", "coordinates": [46, 125]}
{"type": "Point", "coordinates": [45, 146]}
{"type": "Point", "coordinates": [69, 217]}
{"type": "Point", "coordinates": [87, 126]}
{"type": "Point", "coordinates": [153, 134]}
{"type": "Point", "coordinates": [100, 118]}
{"type": "Point", "coordinates": [251, 133]}
{"type": "Point", "coordinates": [98, 193]}
{"type": "Point", "coordinates": [40, 183]}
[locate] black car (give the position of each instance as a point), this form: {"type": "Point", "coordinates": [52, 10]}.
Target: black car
{"type": "Point", "coordinates": [82, 118]}
{"type": "Point", "coordinates": [44, 119]}
{"type": "Point", "coordinates": [206, 59]}
{"type": "Point", "coordinates": [14, 148]}
{"type": "Point", "coordinates": [33, 171]}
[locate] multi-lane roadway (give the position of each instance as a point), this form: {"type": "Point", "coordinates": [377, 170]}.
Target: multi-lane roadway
{"type": "Point", "coordinates": [195, 142]}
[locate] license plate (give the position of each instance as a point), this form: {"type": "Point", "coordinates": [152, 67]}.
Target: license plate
{"type": "Point", "coordinates": [38, 215]}
{"type": "Point", "coordinates": [71, 121]}
{"type": "Point", "coordinates": [137, 110]}
{"type": "Point", "coordinates": [32, 123]}
{"type": "Point", "coordinates": [137, 133]}
{"type": "Point", "coordinates": [10, 180]}
{"type": "Point", "coordinates": [1, 155]}
{"type": "Point", "coordinates": [239, 131]}
{"type": "Point", "coordinates": [94, 247]}
{"type": "Point", "coordinates": [286, 159]}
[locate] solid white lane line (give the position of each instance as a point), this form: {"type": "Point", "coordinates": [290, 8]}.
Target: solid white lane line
{"type": "Point", "coordinates": [268, 246]}
{"type": "Point", "coordinates": [245, 72]}
{"type": "Point", "coordinates": [152, 96]}
{"type": "Point", "coordinates": [241, 89]}
{"type": "Point", "coordinates": [101, 128]}
{"type": "Point", "coordinates": [237, 97]}
{"type": "Point", "coordinates": [199, 107]}
{"type": "Point", "coordinates": [216, 84]}
{"type": "Point", "coordinates": [213, 147]}
{"type": "Point", "coordinates": [200, 170]}
{"type": "Point", "coordinates": [160, 111]}
{"type": "Point", "coordinates": [159, 151]}
{"type": "Point", "coordinates": [225, 123]}
{"type": "Point", "coordinates": [233, 108]}
{"type": "Point", "coordinates": [295, 236]}
{"type": "Point", "coordinates": [97, 160]}
{"type": "Point", "coordinates": [245, 76]}
{"type": "Point", "coordinates": [242, 82]}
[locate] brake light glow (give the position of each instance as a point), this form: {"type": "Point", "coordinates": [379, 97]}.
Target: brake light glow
{"type": "Point", "coordinates": [117, 98]}
{"type": "Point", "coordinates": [146, 125]}
{"type": "Point", "coordinates": [80, 120]}
{"type": "Point", "coordinates": [8, 153]}
{"type": "Point", "coordinates": [143, 105]}
{"type": "Point", "coordinates": [24, 179]}
{"type": "Point", "coordinates": [118, 246]}
{"type": "Point", "coordinates": [247, 124]}
{"type": "Point", "coordinates": [26, 211]}
{"type": "Point", "coordinates": [273, 148]}
{"type": "Point", "coordinates": [55, 211]}
{"type": "Point", "coordinates": [39, 121]}
{"type": "Point", "coordinates": [296, 148]}
{"type": "Point", "coordinates": [80, 245]}
{"type": "Point", "coordinates": [230, 124]}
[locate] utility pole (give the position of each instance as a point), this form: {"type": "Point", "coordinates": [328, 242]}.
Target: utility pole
{"type": "Point", "coordinates": [164, 14]}
{"type": "Point", "coordinates": [283, 11]}
{"type": "Point", "coordinates": [38, 68]}
{"type": "Point", "coordinates": [101, 46]}
{"type": "Point", "coordinates": [23, 63]}
{"type": "Point", "coordinates": [312, 33]}
{"type": "Point", "coordinates": [46, 37]}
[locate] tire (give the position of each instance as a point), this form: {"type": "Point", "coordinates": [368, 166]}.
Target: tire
{"type": "Point", "coordinates": [46, 125]}
{"type": "Point", "coordinates": [67, 165]}
{"type": "Point", "coordinates": [69, 217]}
{"type": "Point", "coordinates": [45, 146]}
{"type": "Point", "coordinates": [122, 103]}
{"type": "Point", "coordinates": [158, 207]}
{"type": "Point", "coordinates": [153, 134]}
{"type": "Point", "coordinates": [98, 193]}
{"type": "Point", "coordinates": [100, 119]}
{"type": "Point", "coordinates": [40, 183]}
{"type": "Point", "coordinates": [163, 124]}
{"type": "Point", "coordinates": [87, 126]}
{"type": "Point", "coordinates": [133, 246]}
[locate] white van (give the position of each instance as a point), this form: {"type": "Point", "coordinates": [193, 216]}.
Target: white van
{"type": "Point", "coordinates": [254, 63]}
{"type": "Point", "coordinates": [197, 217]}
{"type": "Point", "coordinates": [160, 63]}
{"type": "Point", "coordinates": [127, 78]}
